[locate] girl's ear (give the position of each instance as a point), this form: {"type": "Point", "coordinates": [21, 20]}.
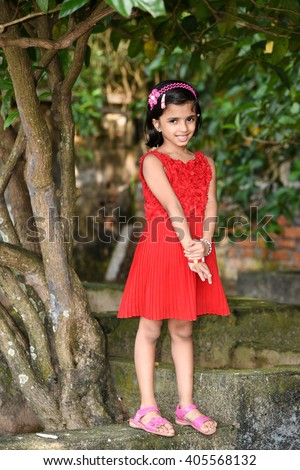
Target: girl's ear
{"type": "Point", "coordinates": [156, 124]}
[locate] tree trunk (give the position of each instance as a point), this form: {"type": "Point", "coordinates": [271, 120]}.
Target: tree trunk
{"type": "Point", "coordinates": [56, 350]}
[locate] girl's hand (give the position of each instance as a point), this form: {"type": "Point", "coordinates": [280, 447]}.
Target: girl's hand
{"type": "Point", "coordinates": [195, 249]}
{"type": "Point", "coordinates": [203, 270]}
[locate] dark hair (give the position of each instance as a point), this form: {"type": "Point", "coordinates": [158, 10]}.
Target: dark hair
{"type": "Point", "coordinates": [172, 96]}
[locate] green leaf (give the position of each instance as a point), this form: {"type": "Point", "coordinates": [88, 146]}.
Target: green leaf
{"type": "Point", "coordinates": [45, 95]}
{"type": "Point", "coordinates": [224, 27]}
{"type": "Point", "coordinates": [87, 58]}
{"type": "Point", "coordinates": [237, 122]}
{"type": "Point", "coordinates": [43, 4]}
{"type": "Point", "coordinates": [295, 108]}
{"type": "Point", "coordinates": [70, 6]}
{"type": "Point", "coordinates": [124, 7]}
{"type": "Point", "coordinates": [162, 31]}
{"type": "Point", "coordinates": [229, 126]}
{"type": "Point", "coordinates": [280, 72]}
{"type": "Point", "coordinates": [135, 47]}
{"type": "Point", "coordinates": [99, 28]}
{"type": "Point", "coordinates": [224, 59]}
{"type": "Point", "coordinates": [115, 39]}
{"type": "Point", "coordinates": [6, 102]}
{"type": "Point", "coordinates": [279, 51]}
{"type": "Point", "coordinates": [201, 11]}
{"type": "Point", "coordinates": [6, 85]}
{"type": "Point", "coordinates": [237, 68]}
{"type": "Point", "coordinates": [10, 119]}
{"type": "Point", "coordinates": [286, 120]}
{"type": "Point", "coordinates": [154, 7]}
{"type": "Point", "coordinates": [190, 24]}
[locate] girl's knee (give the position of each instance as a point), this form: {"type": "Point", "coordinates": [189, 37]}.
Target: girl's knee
{"type": "Point", "coordinates": [150, 329]}
{"type": "Point", "coordinates": [180, 329]}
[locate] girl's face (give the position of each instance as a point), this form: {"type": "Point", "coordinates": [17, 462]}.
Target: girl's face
{"type": "Point", "coordinates": [177, 124]}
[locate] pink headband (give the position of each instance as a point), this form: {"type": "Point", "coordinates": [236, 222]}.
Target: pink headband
{"type": "Point", "coordinates": [155, 94]}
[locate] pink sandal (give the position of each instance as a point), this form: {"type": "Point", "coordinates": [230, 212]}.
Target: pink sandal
{"type": "Point", "coordinates": [196, 424]}
{"type": "Point", "coordinates": [154, 424]}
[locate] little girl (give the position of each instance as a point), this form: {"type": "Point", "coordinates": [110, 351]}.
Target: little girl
{"type": "Point", "coordinates": [174, 273]}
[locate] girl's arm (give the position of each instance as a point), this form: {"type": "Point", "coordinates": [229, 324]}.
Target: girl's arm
{"type": "Point", "coordinates": [210, 214]}
{"type": "Point", "coordinates": [200, 249]}
{"type": "Point", "coordinates": [159, 185]}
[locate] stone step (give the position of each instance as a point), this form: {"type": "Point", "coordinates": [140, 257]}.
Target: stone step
{"type": "Point", "coordinates": [256, 355]}
{"type": "Point", "coordinates": [120, 437]}
{"type": "Point", "coordinates": [255, 410]}
{"type": "Point", "coordinates": [258, 408]}
{"type": "Point", "coordinates": [270, 330]}
{"type": "Point", "coordinates": [281, 286]}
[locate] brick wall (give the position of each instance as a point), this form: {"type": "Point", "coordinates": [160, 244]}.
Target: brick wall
{"type": "Point", "coordinates": [281, 254]}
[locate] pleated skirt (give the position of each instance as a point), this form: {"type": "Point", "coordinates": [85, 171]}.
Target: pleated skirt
{"type": "Point", "coordinates": [160, 284]}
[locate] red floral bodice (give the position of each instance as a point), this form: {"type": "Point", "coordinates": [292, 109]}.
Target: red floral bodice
{"type": "Point", "coordinates": [190, 182]}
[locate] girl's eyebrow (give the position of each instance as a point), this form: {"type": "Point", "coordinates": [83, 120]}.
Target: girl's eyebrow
{"type": "Point", "coordinates": [175, 117]}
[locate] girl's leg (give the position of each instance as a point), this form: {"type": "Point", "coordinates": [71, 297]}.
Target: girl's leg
{"type": "Point", "coordinates": [144, 358]}
{"type": "Point", "coordinates": [183, 357]}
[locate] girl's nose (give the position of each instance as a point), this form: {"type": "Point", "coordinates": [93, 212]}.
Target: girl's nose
{"type": "Point", "coordinates": [183, 126]}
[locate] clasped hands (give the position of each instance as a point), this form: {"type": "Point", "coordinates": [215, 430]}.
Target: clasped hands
{"type": "Point", "coordinates": [196, 250]}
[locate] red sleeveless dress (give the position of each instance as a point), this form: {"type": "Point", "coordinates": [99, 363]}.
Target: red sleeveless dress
{"type": "Point", "coordinates": [160, 284]}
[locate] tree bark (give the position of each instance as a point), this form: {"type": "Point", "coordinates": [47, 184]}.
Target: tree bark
{"type": "Point", "coordinates": [70, 380]}
{"type": "Point", "coordinates": [12, 148]}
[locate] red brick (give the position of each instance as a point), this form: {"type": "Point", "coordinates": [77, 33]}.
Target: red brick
{"type": "Point", "coordinates": [281, 220]}
{"type": "Point", "coordinates": [247, 243]}
{"type": "Point", "coordinates": [275, 236]}
{"type": "Point", "coordinates": [296, 258]}
{"type": "Point", "coordinates": [281, 255]}
{"type": "Point", "coordinates": [286, 243]}
{"type": "Point", "coordinates": [247, 252]}
{"type": "Point", "coordinates": [291, 232]}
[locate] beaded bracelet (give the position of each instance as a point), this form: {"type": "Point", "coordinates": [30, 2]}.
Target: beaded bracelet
{"type": "Point", "coordinates": [209, 245]}
{"type": "Point", "coordinates": [195, 261]}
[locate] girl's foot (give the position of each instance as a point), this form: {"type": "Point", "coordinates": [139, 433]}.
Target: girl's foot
{"type": "Point", "coordinates": [191, 416]}
{"type": "Point", "coordinates": [150, 420]}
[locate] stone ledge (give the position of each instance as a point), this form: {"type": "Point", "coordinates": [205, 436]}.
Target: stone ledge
{"type": "Point", "coordinates": [258, 355]}
{"type": "Point", "coordinates": [261, 406]}
{"type": "Point", "coordinates": [120, 437]}
{"type": "Point", "coordinates": [256, 410]}
{"type": "Point", "coordinates": [217, 339]}
{"type": "Point", "coordinates": [103, 297]}
{"type": "Point", "coordinates": [280, 286]}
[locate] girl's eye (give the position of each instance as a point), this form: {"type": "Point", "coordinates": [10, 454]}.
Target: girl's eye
{"type": "Point", "coordinates": [173, 121]}
{"type": "Point", "coordinates": [191, 119]}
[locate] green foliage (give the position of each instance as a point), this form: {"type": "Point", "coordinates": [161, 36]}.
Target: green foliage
{"type": "Point", "coordinates": [43, 4]}
{"type": "Point", "coordinates": [71, 6]}
{"type": "Point", "coordinates": [11, 118]}
{"type": "Point", "coordinates": [6, 89]}
{"type": "Point", "coordinates": [124, 7]}
{"type": "Point", "coordinates": [241, 55]}
{"type": "Point", "coordinates": [87, 104]}
{"type": "Point", "coordinates": [246, 69]}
